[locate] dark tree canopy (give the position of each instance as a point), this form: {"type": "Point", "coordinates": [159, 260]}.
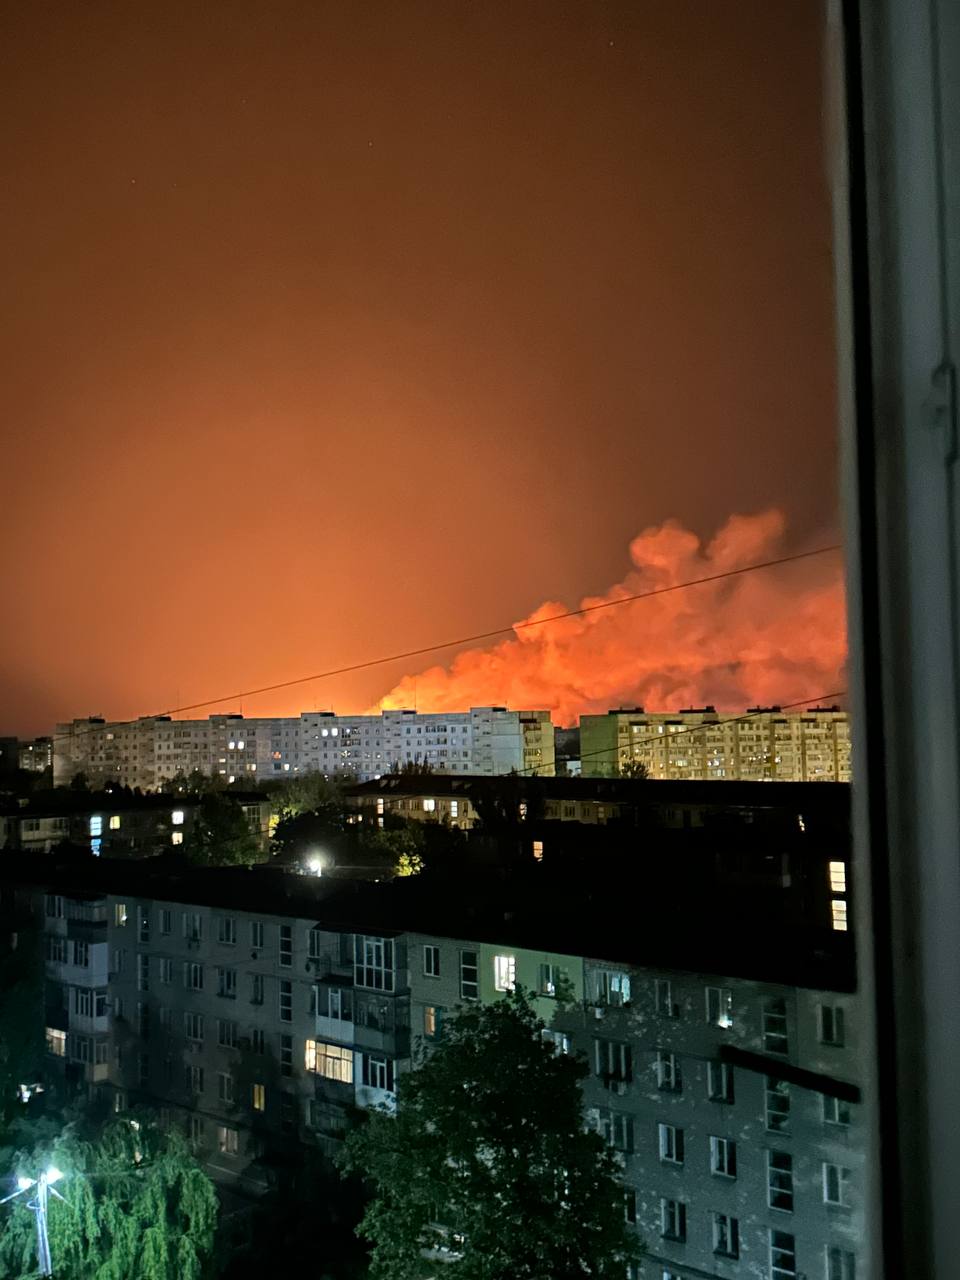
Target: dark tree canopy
{"type": "Point", "coordinates": [221, 835]}
{"type": "Point", "coordinates": [488, 1158]}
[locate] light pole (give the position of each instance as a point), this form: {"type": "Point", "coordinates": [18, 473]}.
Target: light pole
{"type": "Point", "coordinates": [38, 1205]}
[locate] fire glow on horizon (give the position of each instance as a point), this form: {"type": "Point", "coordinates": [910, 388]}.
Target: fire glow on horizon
{"type": "Point", "coordinates": [773, 636]}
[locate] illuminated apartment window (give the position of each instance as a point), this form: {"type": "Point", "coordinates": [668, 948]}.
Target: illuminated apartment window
{"type": "Point", "coordinates": [333, 1061]}
{"type": "Point", "coordinates": [115, 822]}
{"type": "Point", "coordinates": [56, 1042]}
{"type": "Point", "coordinates": [119, 914]}
{"type": "Point", "coordinates": [538, 850]}
{"type": "Point", "coordinates": [431, 1022]}
{"type": "Point", "coordinates": [504, 973]}
{"type": "Point", "coordinates": [454, 808]}
{"type": "Point", "coordinates": [719, 1006]}
{"type": "Point", "coordinates": [429, 806]}
{"type": "Point", "coordinates": [838, 877]}
{"type": "Point", "coordinates": [177, 817]}
{"type": "Point", "coordinates": [259, 1098]}
{"type": "Point", "coordinates": [96, 825]}
{"type": "Point", "coordinates": [838, 913]}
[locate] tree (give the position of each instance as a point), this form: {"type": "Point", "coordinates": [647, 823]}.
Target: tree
{"type": "Point", "coordinates": [634, 769]}
{"type": "Point", "coordinates": [221, 835]}
{"type": "Point", "coordinates": [138, 1207]}
{"type": "Point", "coordinates": [79, 782]}
{"type": "Point", "coordinates": [307, 793]}
{"type": "Point", "coordinates": [487, 1156]}
{"type": "Point", "coordinates": [21, 1031]}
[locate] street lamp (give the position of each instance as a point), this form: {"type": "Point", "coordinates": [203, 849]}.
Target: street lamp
{"type": "Point", "coordinates": [38, 1205]}
{"type": "Point", "coordinates": [315, 864]}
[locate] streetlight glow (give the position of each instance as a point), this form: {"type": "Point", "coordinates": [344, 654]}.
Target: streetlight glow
{"type": "Point", "coordinates": [53, 1175]}
{"type": "Point", "coordinates": [24, 1184]}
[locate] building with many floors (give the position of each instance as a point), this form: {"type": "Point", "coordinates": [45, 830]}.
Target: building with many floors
{"type": "Point", "coordinates": [764, 744]}
{"type": "Point", "coordinates": [145, 753]}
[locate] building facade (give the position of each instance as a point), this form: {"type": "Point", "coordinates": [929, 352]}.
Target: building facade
{"type": "Point", "coordinates": [146, 753]}
{"type": "Point", "coordinates": [763, 745]}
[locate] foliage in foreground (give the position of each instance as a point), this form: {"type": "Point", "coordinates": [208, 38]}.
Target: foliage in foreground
{"type": "Point", "coordinates": [138, 1207]}
{"type": "Point", "coordinates": [487, 1158]}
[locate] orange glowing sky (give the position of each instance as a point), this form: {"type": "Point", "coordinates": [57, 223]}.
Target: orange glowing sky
{"type": "Point", "coordinates": [333, 329]}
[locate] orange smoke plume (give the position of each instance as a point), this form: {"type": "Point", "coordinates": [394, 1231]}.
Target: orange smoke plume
{"type": "Point", "coordinates": [772, 636]}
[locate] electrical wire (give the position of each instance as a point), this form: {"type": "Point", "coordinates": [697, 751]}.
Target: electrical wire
{"type": "Point", "coordinates": [476, 638]}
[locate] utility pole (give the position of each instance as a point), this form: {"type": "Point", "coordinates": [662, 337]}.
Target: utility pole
{"type": "Point", "coordinates": [38, 1206]}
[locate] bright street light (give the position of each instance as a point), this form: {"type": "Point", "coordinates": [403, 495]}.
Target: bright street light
{"type": "Point", "coordinates": [38, 1206]}
{"type": "Point", "coordinates": [315, 864]}
{"type": "Point", "coordinates": [24, 1184]}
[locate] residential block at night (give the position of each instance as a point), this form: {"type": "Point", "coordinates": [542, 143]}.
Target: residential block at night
{"type": "Point", "coordinates": [147, 752]}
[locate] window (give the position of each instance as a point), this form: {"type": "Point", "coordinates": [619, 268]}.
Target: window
{"type": "Point", "coordinates": [775, 1026]}
{"type": "Point", "coordinates": [315, 943]}
{"type": "Point", "coordinates": [83, 1002]}
{"type": "Point", "coordinates": [194, 1078]}
{"type": "Point", "coordinates": [259, 1099]}
{"type": "Point", "coordinates": [613, 987]}
{"type": "Point", "coordinates": [119, 914]}
{"type": "Point", "coordinates": [166, 920]}
{"type": "Point", "coordinates": [835, 1111]}
{"type": "Point", "coordinates": [228, 1142]}
{"type": "Point", "coordinates": [504, 973]}
{"type": "Point", "coordinates": [831, 1025]}
{"type": "Point", "coordinates": [96, 824]}
{"type": "Point", "coordinates": [177, 817]}
{"type": "Point", "coordinates": [719, 1006]}
{"type": "Point", "coordinates": [673, 1220]}
{"type": "Point", "coordinates": [838, 914]}
{"type": "Point", "coordinates": [614, 1062]}
{"type": "Point", "coordinates": [227, 931]}
{"type": "Point", "coordinates": [663, 998]}
{"type": "Point", "coordinates": [227, 1034]}
{"type": "Point", "coordinates": [777, 1105]}
{"type": "Point", "coordinates": [286, 946]}
{"type": "Point", "coordinates": [286, 1000]}
{"type": "Point", "coordinates": [144, 914]}
{"type": "Point", "coordinates": [616, 1127]}
{"type": "Point", "coordinates": [558, 1039]}
{"type": "Point", "coordinates": [719, 1081]}
{"type": "Point", "coordinates": [780, 1180]}
{"type": "Point", "coordinates": [726, 1235]}
{"type": "Point", "coordinates": [176, 837]}
{"type": "Point", "coordinates": [56, 949]}
{"type": "Point", "coordinates": [841, 1264]}
{"type": "Point", "coordinates": [256, 934]}
{"type": "Point", "coordinates": [432, 1021]}
{"type": "Point", "coordinates": [227, 983]}
{"type": "Point", "coordinates": [550, 979]}
{"type": "Point", "coordinates": [630, 1205]}
{"type": "Point", "coordinates": [431, 962]}
{"type": "Point", "coordinates": [193, 976]}
{"type": "Point", "coordinates": [377, 1072]}
{"type": "Point", "coordinates": [114, 822]}
{"type": "Point", "coordinates": [469, 975]}
{"type": "Point", "coordinates": [193, 1026]}
{"type": "Point", "coordinates": [256, 988]}
{"type": "Point", "coordinates": [197, 1130]}
{"type": "Point", "coordinates": [671, 1143]}
{"type": "Point", "coordinates": [56, 1042]}
{"type": "Point", "coordinates": [100, 1010]}
{"type": "Point", "coordinates": [143, 972]}
{"type": "Point", "coordinates": [373, 963]}
{"type": "Point", "coordinates": [838, 877]}
{"type": "Point", "coordinates": [668, 1072]}
{"type": "Point", "coordinates": [429, 806]}
{"type": "Point", "coordinates": [225, 1087]}
{"type": "Point", "coordinates": [723, 1157]}
{"type": "Point", "coordinates": [836, 1181]}
{"type": "Point", "coordinates": [81, 954]}
{"type": "Point", "coordinates": [192, 926]}
{"type": "Point", "coordinates": [333, 1061]}
{"type": "Point", "coordinates": [257, 1041]}
{"type": "Point", "coordinates": [783, 1256]}
{"type": "Point", "coordinates": [286, 1056]}
{"type": "Point", "coordinates": [165, 965]}
{"type": "Point", "coordinates": [537, 844]}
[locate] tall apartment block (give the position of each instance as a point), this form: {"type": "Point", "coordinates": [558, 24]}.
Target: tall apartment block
{"type": "Point", "coordinates": [147, 752]}
{"type": "Point", "coordinates": [765, 744]}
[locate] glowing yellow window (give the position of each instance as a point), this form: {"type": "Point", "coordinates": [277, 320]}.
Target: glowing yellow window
{"type": "Point", "coordinates": [259, 1098]}
{"type": "Point", "coordinates": [838, 877]}
{"type": "Point", "coordinates": [838, 908]}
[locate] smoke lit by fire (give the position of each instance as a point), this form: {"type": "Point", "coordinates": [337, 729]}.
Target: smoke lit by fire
{"type": "Point", "coordinates": [773, 636]}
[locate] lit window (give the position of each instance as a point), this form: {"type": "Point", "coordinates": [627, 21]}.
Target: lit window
{"type": "Point", "coordinates": [56, 1042]}
{"type": "Point", "coordinates": [333, 1061]}
{"type": "Point", "coordinates": [115, 822]}
{"type": "Point", "coordinates": [838, 877]}
{"type": "Point", "coordinates": [429, 806]}
{"type": "Point", "coordinates": [454, 808]}
{"type": "Point", "coordinates": [177, 817]}
{"type": "Point", "coordinates": [259, 1098]}
{"type": "Point", "coordinates": [96, 825]}
{"type": "Point", "coordinates": [430, 1021]}
{"type": "Point", "coordinates": [838, 913]}
{"type": "Point", "coordinates": [538, 850]}
{"type": "Point", "coordinates": [504, 972]}
{"type": "Point", "coordinates": [120, 914]}
{"type": "Point", "coordinates": [240, 745]}
{"type": "Point", "coordinates": [176, 837]}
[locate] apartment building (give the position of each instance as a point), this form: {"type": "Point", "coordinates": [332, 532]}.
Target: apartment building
{"type": "Point", "coordinates": [765, 744]}
{"type": "Point", "coordinates": [76, 1009]}
{"type": "Point", "coordinates": [147, 752]}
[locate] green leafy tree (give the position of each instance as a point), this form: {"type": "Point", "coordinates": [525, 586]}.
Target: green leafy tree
{"type": "Point", "coordinates": [487, 1156]}
{"type": "Point", "coordinates": [221, 835]}
{"type": "Point", "coordinates": [138, 1207]}
{"type": "Point", "coordinates": [400, 847]}
{"type": "Point", "coordinates": [307, 793]}
{"type": "Point", "coordinates": [634, 769]}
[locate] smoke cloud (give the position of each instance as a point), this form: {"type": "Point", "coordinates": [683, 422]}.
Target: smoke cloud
{"type": "Point", "coordinates": [772, 636]}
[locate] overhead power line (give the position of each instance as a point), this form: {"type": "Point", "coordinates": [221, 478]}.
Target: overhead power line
{"type": "Point", "coordinates": [476, 638]}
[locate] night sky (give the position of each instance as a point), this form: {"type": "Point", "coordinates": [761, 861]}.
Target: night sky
{"type": "Point", "coordinates": [332, 329]}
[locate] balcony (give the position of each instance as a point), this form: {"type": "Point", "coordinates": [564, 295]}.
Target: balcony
{"type": "Point", "coordinates": [393, 1042]}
